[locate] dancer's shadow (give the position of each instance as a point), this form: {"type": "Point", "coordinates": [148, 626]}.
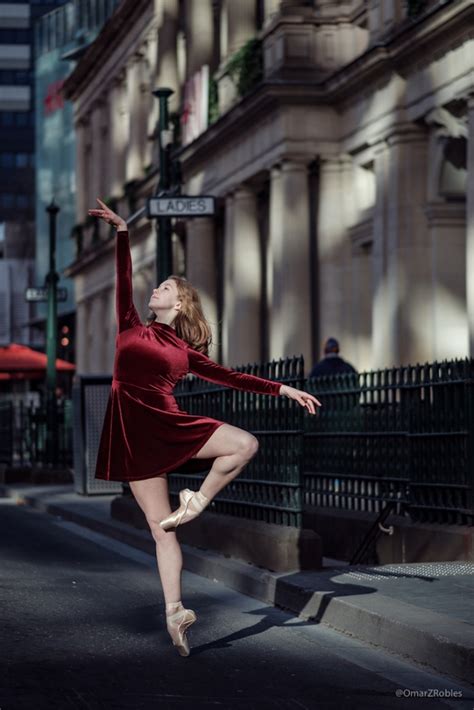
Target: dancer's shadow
{"type": "Point", "coordinates": [327, 590]}
{"type": "Point", "coordinates": [272, 616]}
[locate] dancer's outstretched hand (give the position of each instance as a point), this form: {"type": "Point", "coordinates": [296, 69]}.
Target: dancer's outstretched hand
{"type": "Point", "coordinates": [108, 216]}
{"type": "Point", "coordinates": [304, 398]}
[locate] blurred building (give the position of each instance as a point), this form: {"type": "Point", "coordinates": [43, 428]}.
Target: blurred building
{"type": "Point", "coordinates": [17, 159]}
{"type": "Point", "coordinates": [61, 37]}
{"type": "Point", "coordinates": [336, 139]}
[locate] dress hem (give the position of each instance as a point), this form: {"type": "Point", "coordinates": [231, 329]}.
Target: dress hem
{"type": "Point", "coordinates": [167, 469]}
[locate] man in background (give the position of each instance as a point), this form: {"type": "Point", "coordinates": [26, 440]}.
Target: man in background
{"type": "Point", "coordinates": [332, 363]}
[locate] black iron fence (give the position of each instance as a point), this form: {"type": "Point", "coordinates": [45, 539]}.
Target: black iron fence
{"type": "Point", "coordinates": [270, 487]}
{"type": "Point", "coordinates": [404, 434]}
{"type": "Point", "coordinates": [23, 430]}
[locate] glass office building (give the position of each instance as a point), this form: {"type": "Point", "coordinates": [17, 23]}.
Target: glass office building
{"type": "Point", "coordinates": [61, 37]}
{"type": "Point", "coordinates": [17, 168]}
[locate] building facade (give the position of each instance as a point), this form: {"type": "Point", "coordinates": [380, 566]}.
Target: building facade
{"type": "Point", "coordinates": [339, 145]}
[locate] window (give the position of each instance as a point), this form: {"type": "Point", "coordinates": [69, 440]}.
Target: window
{"type": "Point", "coordinates": [7, 160]}
{"type": "Point", "coordinates": [7, 199]}
{"type": "Point", "coordinates": [15, 36]}
{"type": "Point", "coordinates": [17, 118]}
{"type": "Point", "coordinates": [22, 160]}
{"type": "Point", "coordinates": [8, 118]}
{"type": "Point", "coordinates": [22, 201]}
{"type": "Point", "coordinates": [13, 76]}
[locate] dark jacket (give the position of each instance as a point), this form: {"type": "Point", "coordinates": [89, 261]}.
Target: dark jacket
{"type": "Point", "coordinates": [331, 364]}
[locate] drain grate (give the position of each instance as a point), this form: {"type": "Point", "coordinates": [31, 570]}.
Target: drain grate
{"type": "Point", "coordinates": [400, 571]}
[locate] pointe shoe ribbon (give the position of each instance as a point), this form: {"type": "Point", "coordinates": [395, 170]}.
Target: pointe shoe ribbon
{"type": "Point", "coordinates": [177, 624]}
{"type": "Point", "coordinates": [192, 503]}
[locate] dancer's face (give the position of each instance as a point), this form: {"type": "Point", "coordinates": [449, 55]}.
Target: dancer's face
{"type": "Point", "coordinates": [165, 298]}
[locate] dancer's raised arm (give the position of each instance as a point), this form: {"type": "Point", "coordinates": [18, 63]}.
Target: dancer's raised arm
{"type": "Point", "coordinates": [127, 316]}
{"type": "Point", "coordinates": [201, 365]}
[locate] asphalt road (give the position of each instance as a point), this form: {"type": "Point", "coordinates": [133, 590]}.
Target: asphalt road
{"type": "Point", "coordinates": [82, 627]}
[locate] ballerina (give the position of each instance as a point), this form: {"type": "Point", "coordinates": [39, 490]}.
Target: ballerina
{"type": "Point", "coordinates": [146, 435]}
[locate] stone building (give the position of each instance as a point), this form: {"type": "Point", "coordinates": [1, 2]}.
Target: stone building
{"type": "Point", "coordinates": [340, 150]}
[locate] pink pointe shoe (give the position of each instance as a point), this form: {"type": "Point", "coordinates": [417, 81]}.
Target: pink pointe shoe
{"type": "Point", "coordinates": [178, 620]}
{"type": "Point", "coordinates": [192, 504]}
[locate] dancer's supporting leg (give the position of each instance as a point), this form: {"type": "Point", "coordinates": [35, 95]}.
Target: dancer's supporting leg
{"type": "Point", "coordinates": [152, 497]}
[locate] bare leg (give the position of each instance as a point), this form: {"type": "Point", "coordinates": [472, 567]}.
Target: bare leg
{"type": "Point", "coordinates": [232, 449]}
{"type": "Point", "coordinates": [152, 497]}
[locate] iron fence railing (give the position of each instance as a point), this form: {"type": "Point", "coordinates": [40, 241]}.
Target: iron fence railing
{"type": "Point", "coordinates": [404, 435]}
{"type": "Point", "coordinates": [270, 487]}
{"type": "Point", "coordinates": [23, 433]}
{"type": "Point", "coordinates": [6, 431]}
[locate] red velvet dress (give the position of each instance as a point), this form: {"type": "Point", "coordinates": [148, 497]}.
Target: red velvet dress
{"type": "Point", "coordinates": [145, 433]}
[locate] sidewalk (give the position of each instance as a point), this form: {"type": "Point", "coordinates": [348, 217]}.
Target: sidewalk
{"type": "Point", "coordinates": [421, 611]}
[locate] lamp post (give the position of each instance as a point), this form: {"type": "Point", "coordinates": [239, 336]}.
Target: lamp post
{"type": "Point", "coordinates": [51, 340]}
{"type": "Point", "coordinates": [164, 260]}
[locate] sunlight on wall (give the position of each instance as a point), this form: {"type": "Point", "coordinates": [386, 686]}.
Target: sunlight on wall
{"type": "Point", "coordinates": [451, 337]}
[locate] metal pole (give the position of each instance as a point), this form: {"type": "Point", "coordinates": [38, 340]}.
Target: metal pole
{"type": "Point", "coordinates": [164, 260]}
{"type": "Point", "coordinates": [51, 340]}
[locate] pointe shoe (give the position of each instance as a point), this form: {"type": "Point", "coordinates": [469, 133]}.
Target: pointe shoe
{"type": "Point", "coordinates": [177, 623]}
{"type": "Point", "coordinates": [192, 504]}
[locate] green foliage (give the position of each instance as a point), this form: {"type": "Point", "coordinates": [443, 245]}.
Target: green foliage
{"type": "Point", "coordinates": [415, 7]}
{"type": "Point", "coordinates": [213, 100]}
{"type": "Point", "coordinates": [246, 66]}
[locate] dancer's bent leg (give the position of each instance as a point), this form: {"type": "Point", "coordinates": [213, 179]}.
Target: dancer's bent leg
{"type": "Point", "coordinates": [232, 448]}
{"type": "Point", "coordinates": [153, 498]}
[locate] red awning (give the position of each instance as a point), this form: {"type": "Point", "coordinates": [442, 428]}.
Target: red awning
{"type": "Point", "coordinates": [19, 362]}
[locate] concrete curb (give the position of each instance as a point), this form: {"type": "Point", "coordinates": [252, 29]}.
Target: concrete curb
{"type": "Point", "coordinates": [432, 639]}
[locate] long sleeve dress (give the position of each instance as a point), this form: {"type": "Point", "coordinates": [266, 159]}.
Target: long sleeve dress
{"type": "Point", "coordinates": [145, 433]}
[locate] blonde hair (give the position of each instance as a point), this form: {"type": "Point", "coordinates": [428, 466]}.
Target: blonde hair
{"type": "Point", "coordinates": [190, 322]}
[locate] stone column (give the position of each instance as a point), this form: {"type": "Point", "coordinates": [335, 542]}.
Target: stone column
{"type": "Point", "coordinates": [167, 70]}
{"type": "Point", "coordinates": [470, 226]}
{"type": "Point", "coordinates": [145, 99]}
{"type": "Point", "coordinates": [118, 139]}
{"type": "Point", "coordinates": [270, 9]}
{"type": "Point", "coordinates": [81, 178]}
{"type": "Point", "coordinates": [200, 35]}
{"type": "Point", "coordinates": [97, 156]}
{"type": "Point", "coordinates": [333, 247]}
{"type": "Point", "coordinates": [247, 279]}
{"type": "Point", "coordinates": [134, 163]}
{"type": "Point", "coordinates": [201, 266]}
{"type": "Point", "coordinates": [447, 228]}
{"type": "Point", "coordinates": [238, 24]}
{"type": "Point", "coordinates": [94, 343]}
{"type": "Point", "coordinates": [81, 337]}
{"type": "Point", "coordinates": [288, 262]}
{"type": "Point", "coordinates": [383, 319]}
{"type": "Point", "coordinates": [229, 293]}
{"type": "Point", "coordinates": [403, 298]}
{"type": "Point", "coordinates": [383, 15]}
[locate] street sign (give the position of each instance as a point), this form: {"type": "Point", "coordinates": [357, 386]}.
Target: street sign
{"type": "Point", "coordinates": [180, 206]}
{"type": "Point", "coordinates": [41, 294]}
